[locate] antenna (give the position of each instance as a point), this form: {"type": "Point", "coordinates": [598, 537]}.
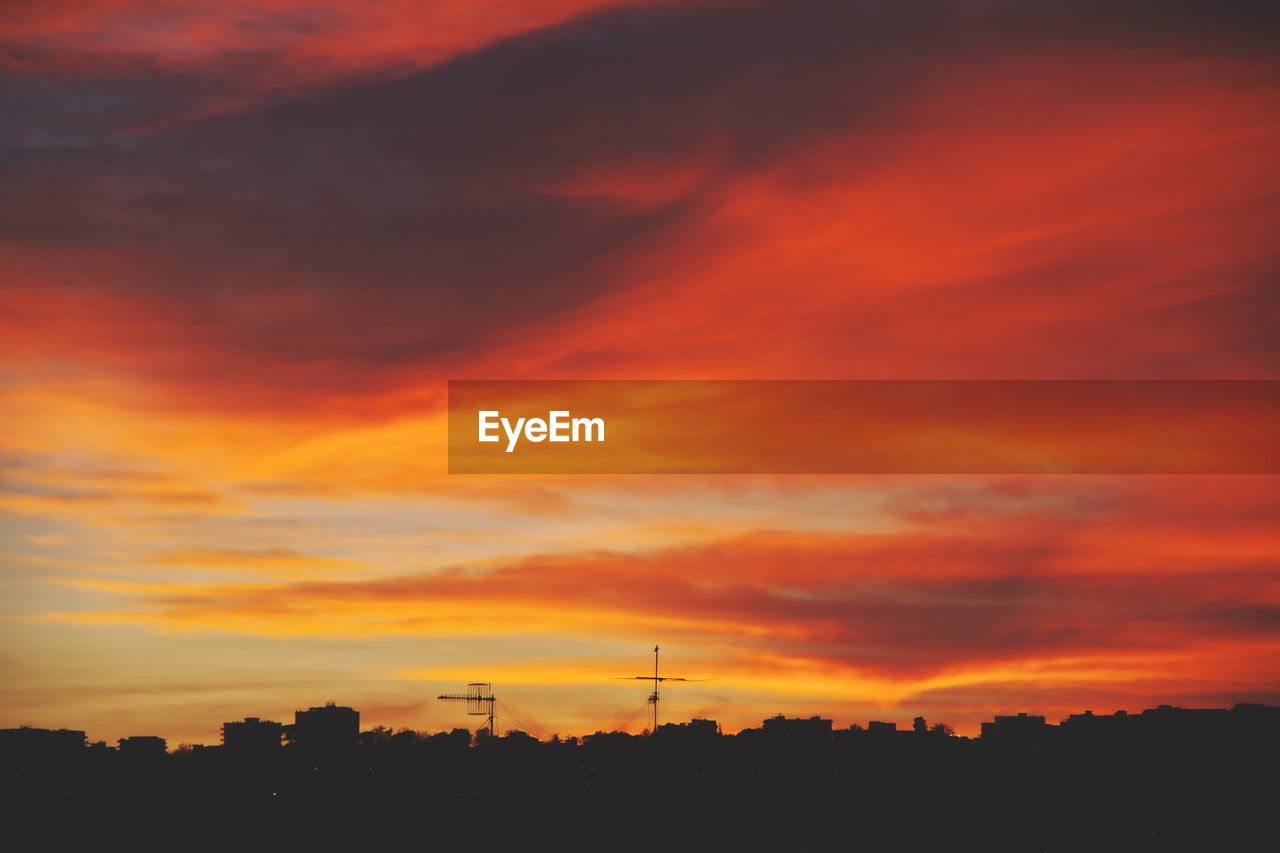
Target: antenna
{"type": "Point", "coordinates": [657, 680]}
{"type": "Point", "coordinates": [478, 695]}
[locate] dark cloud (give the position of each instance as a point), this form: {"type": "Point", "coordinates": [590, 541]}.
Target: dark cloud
{"type": "Point", "coordinates": [389, 223]}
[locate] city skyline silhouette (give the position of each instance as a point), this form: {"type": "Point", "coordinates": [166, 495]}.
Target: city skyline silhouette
{"type": "Point", "coordinates": [1165, 777]}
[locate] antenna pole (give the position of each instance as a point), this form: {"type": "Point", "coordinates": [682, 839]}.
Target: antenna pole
{"type": "Point", "coordinates": [656, 696]}
{"type": "Point", "coordinates": [656, 683]}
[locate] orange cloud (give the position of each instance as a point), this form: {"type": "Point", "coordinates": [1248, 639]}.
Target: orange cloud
{"type": "Point", "coordinates": [926, 607]}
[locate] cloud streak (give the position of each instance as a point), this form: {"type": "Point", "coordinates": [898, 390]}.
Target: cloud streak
{"type": "Point", "coordinates": [936, 600]}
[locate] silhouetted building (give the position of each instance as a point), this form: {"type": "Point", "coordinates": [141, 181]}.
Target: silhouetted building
{"type": "Point", "coordinates": [252, 735]}
{"type": "Point", "coordinates": [1267, 716]}
{"type": "Point", "coordinates": [1022, 724]}
{"type": "Point", "coordinates": [1025, 734]}
{"type": "Point", "coordinates": [1170, 721]}
{"type": "Point", "coordinates": [28, 742]}
{"type": "Point", "coordinates": [143, 746]}
{"type": "Point", "coordinates": [1098, 724]}
{"type": "Point", "coordinates": [695, 729]}
{"type": "Point", "coordinates": [879, 727]}
{"type": "Point", "coordinates": [327, 726]}
{"type": "Point", "coordinates": [797, 729]}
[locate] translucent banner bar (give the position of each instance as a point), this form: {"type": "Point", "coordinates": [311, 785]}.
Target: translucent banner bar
{"type": "Point", "coordinates": [864, 427]}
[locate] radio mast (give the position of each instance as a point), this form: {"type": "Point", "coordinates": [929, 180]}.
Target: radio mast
{"type": "Point", "coordinates": [657, 680]}
{"type": "Point", "coordinates": [479, 695]}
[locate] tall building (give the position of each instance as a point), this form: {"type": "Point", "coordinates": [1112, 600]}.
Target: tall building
{"type": "Point", "coordinates": [327, 726]}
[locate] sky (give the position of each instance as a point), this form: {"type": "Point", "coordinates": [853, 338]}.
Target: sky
{"type": "Point", "coordinates": [243, 246]}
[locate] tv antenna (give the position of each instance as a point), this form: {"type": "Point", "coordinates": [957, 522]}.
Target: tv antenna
{"type": "Point", "coordinates": [480, 701]}
{"type": "Point", "coordinates": [657, 680]}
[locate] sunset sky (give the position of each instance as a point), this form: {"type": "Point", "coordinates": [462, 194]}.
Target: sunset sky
{"type": "Point", "coordinates": [244, 245]}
